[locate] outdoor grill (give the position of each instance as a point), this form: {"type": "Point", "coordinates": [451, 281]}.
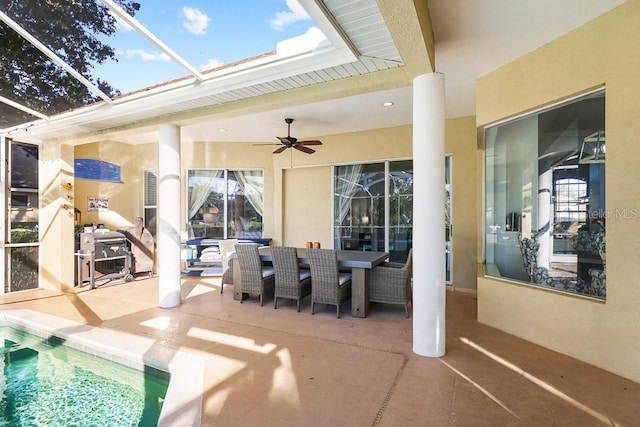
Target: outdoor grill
{"type": "Point", "coordinates": [110, 245]}
{"type": "Point", "coordinates": [100, 247]}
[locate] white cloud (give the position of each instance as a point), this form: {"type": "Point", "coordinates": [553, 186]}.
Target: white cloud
{"type": "Point", "coordinates": [294, 14]}
{"type": "Point", "coordinates": [312, 39]}
{"type": "Point", "coordinates": [195, 21]}
{"type": "Point", "coordinates": [210, 64]}
{"type": "Point", "coordinates": [143, 54]}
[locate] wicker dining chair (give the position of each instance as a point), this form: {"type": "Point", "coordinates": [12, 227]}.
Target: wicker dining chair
{"type": "Point", "coordinates": [329, 285]}
{"type": "Point", "coordinates": [227, 247]}
{"type": "Point", "coordinates": [390, 283]}
{"type": "Point", "coordinates": [292, 282]}
{"type": "Point", "coordinates": [255, 277]}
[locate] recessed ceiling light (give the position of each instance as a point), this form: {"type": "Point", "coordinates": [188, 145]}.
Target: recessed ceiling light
{"type": "Point", "coordinates": [222, 130]}
{"type": "Point", "coordinates": [387, 104]}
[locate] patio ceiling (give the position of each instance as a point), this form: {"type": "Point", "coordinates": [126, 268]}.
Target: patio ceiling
{"type": "Point", "coordinates": [335, 87]}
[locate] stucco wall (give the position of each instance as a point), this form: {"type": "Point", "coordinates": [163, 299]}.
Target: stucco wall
{"type": "Point", "coordinates": [460, 142]}
{"type": "Point", "coordinates": [125, 198]}
{"type": "Point", "coordinates": [308, 218]}
{"type": "Point", "coordinates": [56, 222]}
{"type": "Point", "coordinates": [602, 52]}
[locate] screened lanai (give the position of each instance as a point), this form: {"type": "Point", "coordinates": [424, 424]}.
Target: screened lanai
{"type": "Point", "coordinates": [330, 64]}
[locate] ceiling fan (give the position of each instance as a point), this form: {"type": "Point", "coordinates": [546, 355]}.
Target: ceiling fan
{"type": "Point", "coordinates": [291, 142]}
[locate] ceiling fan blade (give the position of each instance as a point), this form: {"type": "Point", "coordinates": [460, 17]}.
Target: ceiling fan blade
{"type": "Point", "coordinates": [310, 142]}
{"type": "Point", "coordinates": [287, 139]}
{"type": "Point", "coordinates": [280, 150]}
{"type": "Point", "coordinates": [267, 143]}
{"type": "Point", "coordinates": [304, 149]}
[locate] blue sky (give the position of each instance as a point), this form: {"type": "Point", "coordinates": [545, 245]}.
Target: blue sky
{"type": "Point", "coordinates": [206, 33]}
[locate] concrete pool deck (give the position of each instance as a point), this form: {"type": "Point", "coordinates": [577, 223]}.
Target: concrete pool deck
{"type": "Point", "coordinates": [282, 368]}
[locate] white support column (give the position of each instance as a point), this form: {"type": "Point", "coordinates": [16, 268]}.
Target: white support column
{"type": "Point", "coordinates": [545, 217]}
{"type": "Point", "coordinates": [169, 216]}
{"type": "Point", "coordinates": [429, 289]}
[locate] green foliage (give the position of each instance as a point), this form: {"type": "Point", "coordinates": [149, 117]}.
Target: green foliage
{"type": "Point", "coordinates": [24, 260]}
{"type": "Point", "coordinates": [24, 268]}
{"type": "Point", "coordinates": [26, 234]}
{"type": "Point", "coordinates": [72, 30]}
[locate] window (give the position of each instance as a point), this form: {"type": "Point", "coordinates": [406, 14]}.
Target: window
{"type": "Point", "coordinates": [545, 197]}
{"type": "Point", "coordinates": [448, 218]}
{"type": "Point", "coordinates": [570, 212]}
{"type": "Point", "coordinates": [151, 201]}
{"type": "Point", "coordinates": [570, 200]}
{"type": "Point", "coordinates": [225, 204]}
{"type": "Point", "coordinates": [374, 207]}
{"type": "Point", "coordinates": [96, 170]}
{"type": "Point", "coordinates": [20, 201]}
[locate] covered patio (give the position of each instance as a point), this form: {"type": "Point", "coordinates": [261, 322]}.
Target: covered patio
{"type": "Point", "coordinates": [280, 367]}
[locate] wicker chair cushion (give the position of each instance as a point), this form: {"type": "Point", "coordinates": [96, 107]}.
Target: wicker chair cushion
{"type": "Point", "coordinates": [344, 278]}
{"type": "Point", "coordinates": [305, 274]}
{"type": "Point", "coordinates": [267, 271]}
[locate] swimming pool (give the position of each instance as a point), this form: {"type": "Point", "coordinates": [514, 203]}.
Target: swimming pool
{"type": "Point", "coordinates": [132, 355]}
{"type": "Point", "coordinates": [43, 382]}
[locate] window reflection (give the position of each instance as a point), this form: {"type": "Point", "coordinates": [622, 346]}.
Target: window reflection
{"type": "Point", "coordinates": [374, 207]}
{"type": "Point", "coordinates": [545, 197]}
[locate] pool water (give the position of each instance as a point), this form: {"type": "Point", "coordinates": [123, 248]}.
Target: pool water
{"type": "Point", "coordinates": [44, 383]}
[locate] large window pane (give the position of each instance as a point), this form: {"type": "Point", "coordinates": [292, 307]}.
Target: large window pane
{"type": "Point", "coordinates": [205, 204]}
{"type": "Point", "coordinates": [244, 204]}
{"type": "Point", "coordinates": [225, 204]}
{"type": "Point", "coordinates": [24, 192]}
{"type": "Point", "coordinates": [362, 219]}
{"type": "Point", "coordinates": [400, 209]}
{"type": "Point", "coordinates": [545, 197]}
{"type": "Point", "coordinates": [448, 219]}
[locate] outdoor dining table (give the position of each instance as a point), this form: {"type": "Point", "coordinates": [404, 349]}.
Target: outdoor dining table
{"type": "Point", "coordinates": [360, 263]}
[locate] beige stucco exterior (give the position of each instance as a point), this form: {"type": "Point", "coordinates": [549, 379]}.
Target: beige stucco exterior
{"type": "Point", "coordinates": [603, 52]}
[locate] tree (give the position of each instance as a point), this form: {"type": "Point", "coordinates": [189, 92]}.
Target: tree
{"type": "Point", "coordinates": [70, 28]}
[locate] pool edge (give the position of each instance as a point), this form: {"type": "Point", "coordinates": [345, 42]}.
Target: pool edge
{"type": "Point", "coordinates": [183, 401]}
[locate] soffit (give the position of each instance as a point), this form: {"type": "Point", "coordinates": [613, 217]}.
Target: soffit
{"type": "Point", "coordinates": [365, 47]}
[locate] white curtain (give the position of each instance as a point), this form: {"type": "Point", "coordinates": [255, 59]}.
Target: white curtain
{"type": "Point", "coordinates": [251, 183]}
{"type": "Point", "coordinates": [202, 187]}
{"type": "Point", "coordinates": [346, 188]}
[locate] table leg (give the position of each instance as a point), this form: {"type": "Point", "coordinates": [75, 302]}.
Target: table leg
{"type": "Point", "coordinates": [359, 292]}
